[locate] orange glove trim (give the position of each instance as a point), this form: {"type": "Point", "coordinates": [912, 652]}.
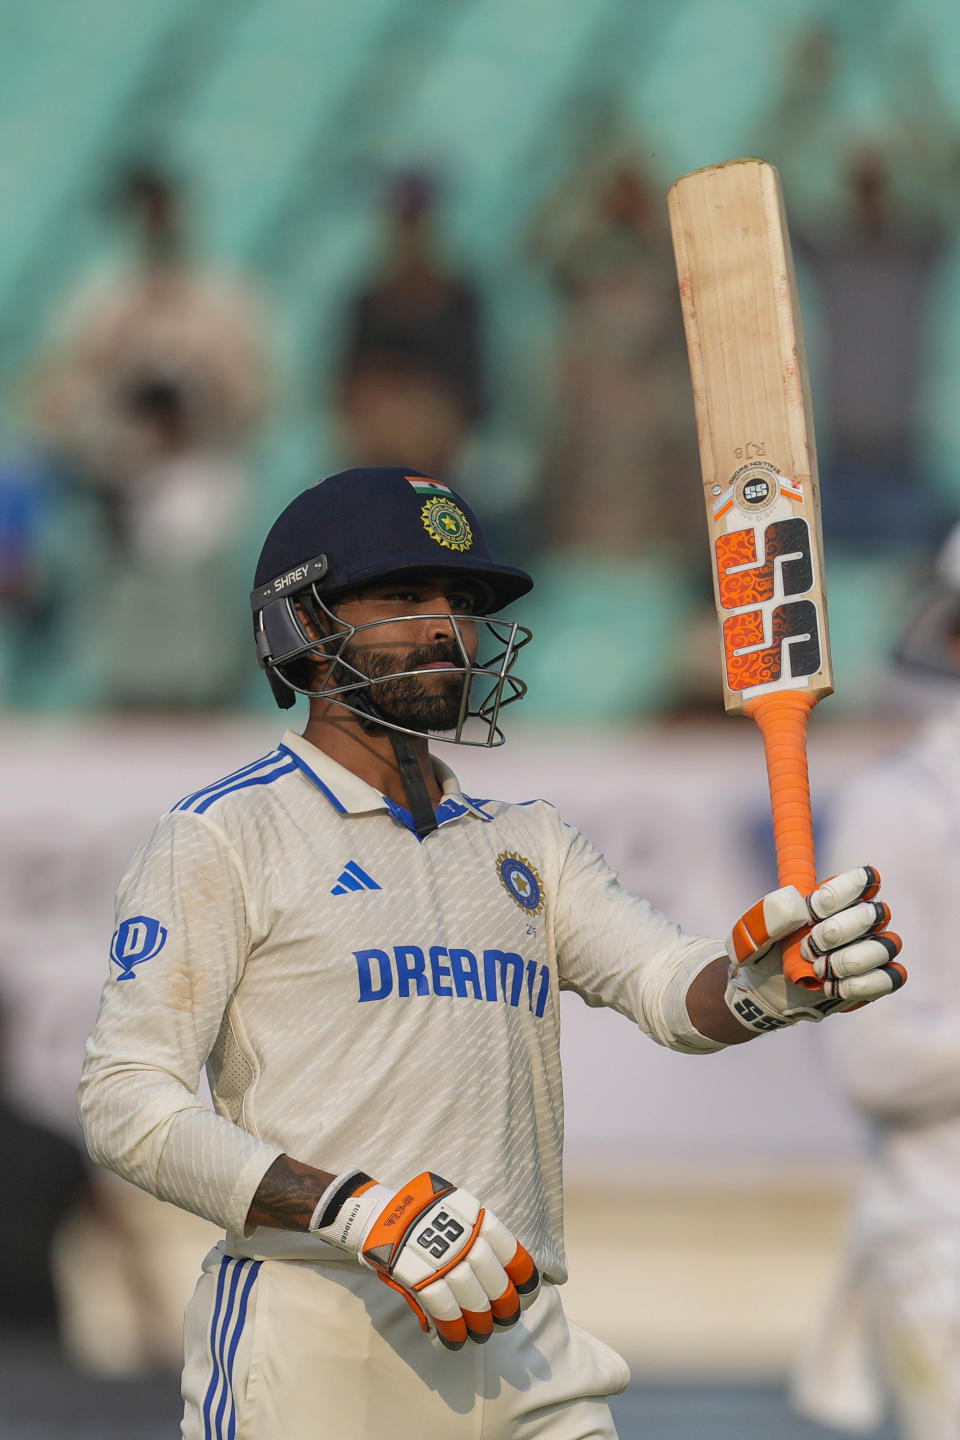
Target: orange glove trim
{"type": "Point", "coordinates": [506, 1308]}
{"type": "Point", "coordinates": [521, 1269]}
{"type": "Point", "coordinates": [453, 1333]}
{"type": "Point", "coordinates": [414, 1306]}
{"type": "Point", "coordinates": [750, 932]}
{"type": "Point", "coordinates": [391, 1227]}
{"type": "Point", "coordinates": [479, 1323]}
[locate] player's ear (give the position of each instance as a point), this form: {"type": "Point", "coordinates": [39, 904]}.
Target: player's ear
{"type": "Point", "coordinates": [316, 665]}
{"type": "Point", "coordinates": [307, 621]}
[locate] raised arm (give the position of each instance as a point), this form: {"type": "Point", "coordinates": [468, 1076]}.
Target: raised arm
{"type": "Point", "coordinates": [699, 995]}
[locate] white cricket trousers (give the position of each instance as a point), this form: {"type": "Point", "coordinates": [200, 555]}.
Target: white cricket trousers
{"type": "Point", "coordinates": [283, 1350]}
{"type": "Point", "coordinates": [912, 1295]}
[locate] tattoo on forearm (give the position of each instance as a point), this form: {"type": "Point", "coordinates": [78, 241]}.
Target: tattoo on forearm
{"type": "Point", "coordinates": [287, 1195]}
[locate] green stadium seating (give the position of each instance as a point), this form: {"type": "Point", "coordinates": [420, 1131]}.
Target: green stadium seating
{"type": "Point", "coordinates": [285, 115]}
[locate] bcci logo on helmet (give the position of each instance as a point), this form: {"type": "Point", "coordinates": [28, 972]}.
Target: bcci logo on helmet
{"type": "Point", "coordinates": [447, 524]}
{"type": "Point", "coordinates": [135, 941]}
{"type": "Point", "coordinates": [521, 881]}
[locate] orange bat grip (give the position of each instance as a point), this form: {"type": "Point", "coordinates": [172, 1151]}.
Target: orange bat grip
{"type": "Point", "coordinates": [782, 717]}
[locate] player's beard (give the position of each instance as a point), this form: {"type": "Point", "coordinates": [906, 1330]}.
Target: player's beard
{"type": "Point", "coordinates": [407, 701]}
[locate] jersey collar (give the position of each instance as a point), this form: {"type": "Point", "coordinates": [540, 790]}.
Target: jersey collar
{"type": "Point", "coordinates": [350, 795]}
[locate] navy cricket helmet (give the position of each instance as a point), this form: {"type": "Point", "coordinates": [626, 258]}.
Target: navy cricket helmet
{"type": "Point", "coordinates": [357, 528]}
{"type": "Point", "coordinates": [380, 522]}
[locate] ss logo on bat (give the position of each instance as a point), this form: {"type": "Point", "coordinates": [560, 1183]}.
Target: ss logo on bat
{"type": "Point", "coordinates": [757, 640]}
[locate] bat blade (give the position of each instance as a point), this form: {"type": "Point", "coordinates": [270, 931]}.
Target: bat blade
{"type": "Point", "coordinates": [758, 457]}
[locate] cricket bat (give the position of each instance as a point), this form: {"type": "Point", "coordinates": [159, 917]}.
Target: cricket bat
{"type": "Point", "coordinates": [758, 457]}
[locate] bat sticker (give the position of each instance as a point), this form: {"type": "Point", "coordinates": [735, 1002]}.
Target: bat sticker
{"type": "Point", "coordinates": [792, 652]}
{"type": "Point", "coordinates": [744, 579]}
{"type": "Point", "coordinates": [774, 642]}
{"type": "Point", "coordinates": [755, 487]}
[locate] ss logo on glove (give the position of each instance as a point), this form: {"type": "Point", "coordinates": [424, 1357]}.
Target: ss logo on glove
{"type": "Point", "coordinates": [436, 1238]}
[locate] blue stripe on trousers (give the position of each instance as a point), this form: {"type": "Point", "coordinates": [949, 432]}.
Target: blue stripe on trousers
{"type": "Point", "coordinates": [214, 1376]}
{"type": "Point", "coordinates": [222, 1381]}
{"type": "Point", "coordinates": [241, 1320]}
{"type": "Point", "coordinates": [221, 1377]}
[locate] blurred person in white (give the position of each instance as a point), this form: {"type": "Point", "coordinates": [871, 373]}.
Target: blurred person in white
{"type": "Point", "coordinates": [149, 398]}
{"type": "Point", "coordinates": [412, 368]}
{"type": "Point", "coordinates": [891, 1327]}
{"type": "Point", "coordinates": [622, 431]}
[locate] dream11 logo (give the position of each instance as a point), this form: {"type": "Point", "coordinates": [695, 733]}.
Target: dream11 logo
{"type": "Point", "coordinates": [134, 941]}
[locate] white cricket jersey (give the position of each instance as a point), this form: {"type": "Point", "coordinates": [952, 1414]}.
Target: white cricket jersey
{"type": "Point", "coordinates": [361, 997]}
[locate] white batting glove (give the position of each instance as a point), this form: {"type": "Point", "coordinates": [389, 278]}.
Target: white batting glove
{"type": "Point", "coordinates": [459, 1269]}
{"type": "Point", "coordinates": [849, 947]}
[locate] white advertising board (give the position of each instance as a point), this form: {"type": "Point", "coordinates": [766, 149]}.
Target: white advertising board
{"type": "Point", "coordinates": [680, 812]}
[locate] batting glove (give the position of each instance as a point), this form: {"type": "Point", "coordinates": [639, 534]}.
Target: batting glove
{"type": "Point", "coordinates": [459, 1269]}
{"type": "Point", "coordinates": [852, 952]}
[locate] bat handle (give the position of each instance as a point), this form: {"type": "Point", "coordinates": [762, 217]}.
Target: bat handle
{"type": "Point", "coordinates": [782, 717]}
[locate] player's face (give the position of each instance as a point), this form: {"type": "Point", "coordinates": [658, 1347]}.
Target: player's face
{"type": "Point", "coordinates": [422, 637]}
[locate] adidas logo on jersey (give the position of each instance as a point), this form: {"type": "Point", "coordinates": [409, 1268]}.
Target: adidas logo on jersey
{"type": "Point", "coordinates": [353, 878]}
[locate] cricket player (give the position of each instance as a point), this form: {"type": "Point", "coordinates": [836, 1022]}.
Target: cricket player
{"type": "Point", "coordinates": [891, 1329]}
{"type": "Point", "coordinates": [368, 963]}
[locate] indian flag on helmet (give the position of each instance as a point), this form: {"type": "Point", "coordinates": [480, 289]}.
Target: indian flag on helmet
{"type": "Point", "coordinates": [425, 486]}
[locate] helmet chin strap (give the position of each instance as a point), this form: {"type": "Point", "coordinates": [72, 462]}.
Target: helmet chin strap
{"type": "Point", "coordinates": [421, 806]}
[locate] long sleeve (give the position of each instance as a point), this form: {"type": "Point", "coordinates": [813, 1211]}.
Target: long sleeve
{"type": "Point", "coordinates": [185, 927]}
{"type": "Point", "coordinates": [617, 950]}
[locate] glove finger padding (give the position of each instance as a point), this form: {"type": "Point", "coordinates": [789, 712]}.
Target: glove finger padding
{"type": "Point", "coordinates": [844, 928]}
{"type": "Point", "coordinates": [784, 911]}
{"type": "Point", "coordinates": [871, 985]}
{"type": "Point", "coordinates": [517, 1262]}
{"type": "Point", "coordinates": [456, 1259]}
{"type": "Point", "coordinates": [773, 918]}
{"type": "Point", "coordinates": [472, 1298]}
{"type": "Point", "coordinates": [874, 953]}
{"type": "Point", "coordinates": [848, 945]}
{"type": "Point", "coordinates": [843, 890]}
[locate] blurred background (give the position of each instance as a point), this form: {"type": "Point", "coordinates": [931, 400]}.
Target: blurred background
{"type": "Point", "coordinates": [247, 243]}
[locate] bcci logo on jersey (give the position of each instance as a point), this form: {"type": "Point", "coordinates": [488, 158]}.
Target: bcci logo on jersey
{"type": "Point", "coordinates": [521, 881]}
{"type": "Point", "coordinates": [135, 941]}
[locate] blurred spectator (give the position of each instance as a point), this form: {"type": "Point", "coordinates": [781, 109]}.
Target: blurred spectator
{"type": "Point", "coordinates": [875, 269]}
{"type": "Point", "coordinates": [28, 497]}
{"type": "Point", "coordinates": [163, 361]}
{"type": "Point", "coordinates": [819, 95]}
{"type": "Point", "coordinates": [23, 495]}
{"type": "Point", "coordinates": [412, 379]}
{"type": "Point", "coordinates": [27, 487]}
{"type": "Point", "coordinates": [148, 399]}
{"type": "Point", "coordinates": [621, 474]}
{"type": "Point", "coordinates": [46, 1179]}
{"type": "Point", "coordinates": [893, 1321]}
